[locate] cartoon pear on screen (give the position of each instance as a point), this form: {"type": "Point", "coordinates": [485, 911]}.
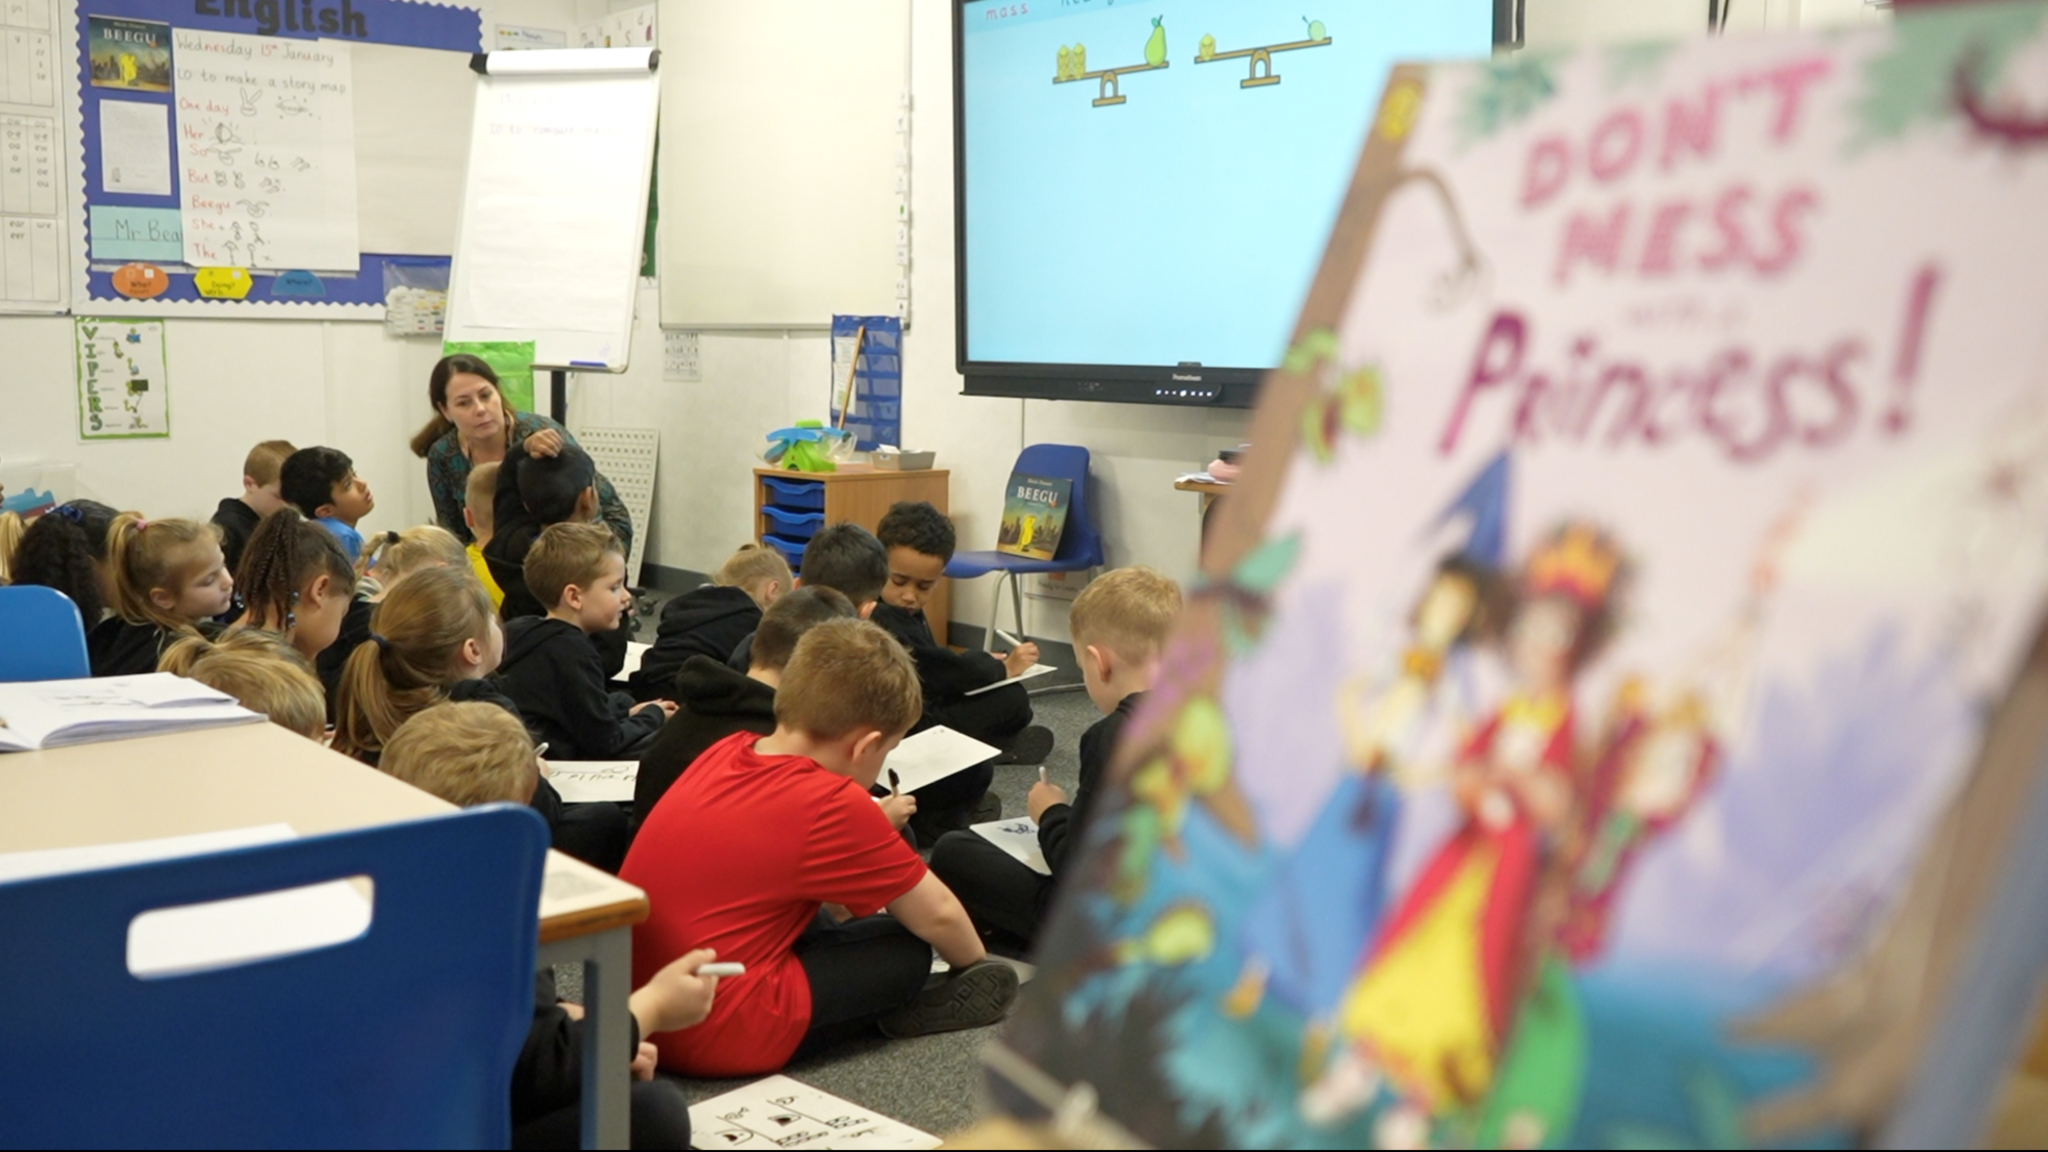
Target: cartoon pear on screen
{"type": "Point", "coordinates": [1155, 48]}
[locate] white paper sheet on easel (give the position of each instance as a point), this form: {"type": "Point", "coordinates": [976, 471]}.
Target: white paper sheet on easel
{"type": "Point", "coordinates": [592, 781]}
{"type": "Point", "coordinates": [1031, 673]}
{"type": "Point", "coordinates": [784, 1113]}
{"type": "Point", "coordinates": [1018, 838]}
{"type": "Point", "coordinates": [218, 934]}
{"type": "Point", "coordinates": [933, 755]}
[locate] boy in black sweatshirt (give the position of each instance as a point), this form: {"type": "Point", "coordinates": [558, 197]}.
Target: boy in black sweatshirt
{"type": "Point", "coordinates": [714, 701]}
{"type": "Point", "coordinates": [711, 620]}
{"type": "Point", "coordinates": [919, 541]}
{"type": "Point", "coordinates": [552, 672]}
{"type": "Point", "coordinates": [1120, 624]}
{"type": "Point", "coordinates": [544, 480]}
{"type": "Point", "coordinates": [238, 516]}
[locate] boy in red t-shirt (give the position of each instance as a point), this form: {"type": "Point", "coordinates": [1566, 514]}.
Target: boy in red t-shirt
{"type": "Point", "coordinates": [771, 851]}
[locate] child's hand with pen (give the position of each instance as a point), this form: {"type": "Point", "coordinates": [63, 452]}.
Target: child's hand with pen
{"type": "Point", "coordinates": [1044, 794]}
{"type": "Point", "coordinates": [1021, 658]}
{"type": "Point", "coordinates": [899, 806]}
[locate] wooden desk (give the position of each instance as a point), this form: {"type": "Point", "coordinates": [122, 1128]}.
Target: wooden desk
{"type": "Point", "coordinates": [862, 494]}
{"type": "Point", "coordinates": [254, 774]}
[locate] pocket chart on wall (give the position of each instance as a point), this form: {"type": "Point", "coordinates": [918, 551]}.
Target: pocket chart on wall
{"type": "Point", "coordinates": [124, 391]}
{"type": "Point", "coordinates": [31, 199]}
{"type": "Point", "coordinates": [266, 143]}
{"type": "Point", "coordinates": [256, 159]}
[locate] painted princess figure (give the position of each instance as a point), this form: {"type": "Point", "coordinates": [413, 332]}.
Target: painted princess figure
{"type": "Point", "coordinates": [1430, 1011]}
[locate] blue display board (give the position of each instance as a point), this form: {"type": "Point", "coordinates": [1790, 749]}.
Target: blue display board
{"type": "Point", "coordinates": [149, 225]}
{"type": "Point", "coordinates": [876, 416]}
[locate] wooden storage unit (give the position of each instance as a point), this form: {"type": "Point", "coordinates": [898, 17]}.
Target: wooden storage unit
{"type": "Point", "coordinates": [856, 492]}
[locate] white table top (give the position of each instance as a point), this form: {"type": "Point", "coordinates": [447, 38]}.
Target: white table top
{"type": "Point", "coordinates": [251, 774]}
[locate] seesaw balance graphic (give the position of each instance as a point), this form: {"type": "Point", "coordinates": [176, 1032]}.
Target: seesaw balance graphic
{"type": "Point", "coordinates": [1073, 62]}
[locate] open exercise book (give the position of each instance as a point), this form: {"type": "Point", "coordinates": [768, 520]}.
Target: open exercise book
{"type": "Point", "coordinates": [55, 713]}
{"type": "Point", "coordinates": [779, 1112]}
{"type": "Point", "coordinates": [1610, 714]}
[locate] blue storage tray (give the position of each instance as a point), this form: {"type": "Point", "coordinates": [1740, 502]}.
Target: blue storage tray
{"type": "Point", "coordinates": [802, 495]}
{"type": "Point", "coordinates": [793, 525]}
{"type": "Point", "coordinates": [792, 550]}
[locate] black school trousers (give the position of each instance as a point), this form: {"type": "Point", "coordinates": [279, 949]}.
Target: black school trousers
{"type": "Point", "coordinates": [999, 892]}
{"type": "Point", "coordinates": [661, 1119]}
{"type": "Point", "coordinates": [859, 972]}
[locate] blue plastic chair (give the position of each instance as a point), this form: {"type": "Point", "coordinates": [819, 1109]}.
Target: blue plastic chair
{"type": "Point", "coordinates": [402, 1037]}
{"type": "Point", "coordinates": [1080, 541]}
{"type": "Point", "coordinates": [45, 637]}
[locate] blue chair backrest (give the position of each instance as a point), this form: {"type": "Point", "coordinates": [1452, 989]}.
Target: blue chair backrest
{"type": "Point", "coordinates": [45, 639]}
{"type": "Point", "coordinates": [1080, 540]}
{"type": "Point", "coordinates": [403, 1037]}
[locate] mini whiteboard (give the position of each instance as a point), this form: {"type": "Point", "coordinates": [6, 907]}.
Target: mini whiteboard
{"type": "Point", "coordinates": [548, 246]}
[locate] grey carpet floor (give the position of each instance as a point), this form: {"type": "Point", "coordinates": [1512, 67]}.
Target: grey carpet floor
{"type": "Point", "coordinates": [932, 1082]}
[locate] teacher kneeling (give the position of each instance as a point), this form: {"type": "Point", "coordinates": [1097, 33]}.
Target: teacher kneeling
{"type": "Point", "coordinates": [473, 425]}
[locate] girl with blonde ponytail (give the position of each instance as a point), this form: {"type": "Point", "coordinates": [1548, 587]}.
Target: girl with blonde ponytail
{"type": "Point", "coordinates": [169, 579]}
{"type": "Point", "coordinates": [432, 638]}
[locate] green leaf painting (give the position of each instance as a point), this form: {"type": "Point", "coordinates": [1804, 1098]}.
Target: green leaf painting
{"type": "Point", "coordinates": [1913, 84]}
{"type": "Point", "coordinates": [1504, 92]}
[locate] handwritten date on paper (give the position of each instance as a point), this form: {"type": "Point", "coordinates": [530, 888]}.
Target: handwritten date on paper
{"type": "Point", "coordinates": [266, 152]}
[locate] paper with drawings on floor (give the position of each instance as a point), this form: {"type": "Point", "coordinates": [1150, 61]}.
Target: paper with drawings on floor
{"type": "Point", "coordinates": [591, 781]}
{"type": "Point", "coordinates": [1031, 673]}
{"type": "Point", "coordinates": [1018, 838]}
{"type": "Point", "coordinates": [635, 652]}
{"type": "Point", "coordinates": [786, 1113]}
{"type": "Point", "coordinates": [267, 143]}
{"type": "Point", "coordinates": [932, 755]}
{"type": "Point", "coordinates": [55, 713]}
{"type": "Point", "coordinates": [217, 934]}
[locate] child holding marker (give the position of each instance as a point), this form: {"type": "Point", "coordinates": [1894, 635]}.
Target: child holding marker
{"type": "Point", "coordinates": [1120, 624]}
{"type": "Point", "coordinates": [469, 754]}
{"type": "Point", "coordinates": [763, 833]}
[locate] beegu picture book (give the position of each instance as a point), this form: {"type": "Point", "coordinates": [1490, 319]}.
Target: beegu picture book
{"type": "Point", "coordinates": [1033, 516]}
{"type": "Point", "coordinates": [1600, 721]}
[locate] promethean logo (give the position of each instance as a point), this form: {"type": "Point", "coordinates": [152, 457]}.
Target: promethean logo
{"type": "Point", "coordinates": [1187, 379]}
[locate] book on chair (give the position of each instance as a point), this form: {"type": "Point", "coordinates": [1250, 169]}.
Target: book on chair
{"type": "Point", "coordinates": [55, 713]}
{"type": "Point", "coordinates": [1034, 515]}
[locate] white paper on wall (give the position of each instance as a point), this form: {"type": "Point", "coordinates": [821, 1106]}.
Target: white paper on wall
{"type": "Point", "coordinates": [266, 146]}
{"type": "Point", "coordinates": [135, 147]}
{"type": "Point", "coordinates": [412, 111]}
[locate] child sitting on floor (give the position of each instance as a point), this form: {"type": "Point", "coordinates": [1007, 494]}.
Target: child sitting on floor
{"type": "Point", "coordinates": [713, 619]}
{"type": "Point", "coordinates": [713, 701]}
{"type": "Point", "coordinates": [389, 557]}
{"type": "Point", "coordinates": [919, 539]}
{"type": "Point", "coordinates": [434, 638]}
{"type": "Point", "coordinates": [764, 833]}
{"type": "Point", "coordinates": [238, 516]}
{"type": "Point", "coordinates": [469, 754]}
{"type": "Point", "coordinates": [296, 582]}
{"type": "Point", "coordinates": [1120, 624]}
{"type": "Point", "coordinates": [322, 484]}
{"type": "Point", "coordinates": [66, 549]}
{"type": "Point", "coordinates": [169, 579]}
{"type": "Point", "coordinates": [478, 515]}
{"type": "Point", "coordinates": [262, 673]}
{"type": "Point", "coordinates": [844, 557]}
{"type": "Point", "coordinates": [551, 670]}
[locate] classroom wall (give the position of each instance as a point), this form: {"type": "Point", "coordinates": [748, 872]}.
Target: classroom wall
{"type": "Point", "coordinates": [234, 382]}
{"type": "Point", "coordinates": [755, 382]}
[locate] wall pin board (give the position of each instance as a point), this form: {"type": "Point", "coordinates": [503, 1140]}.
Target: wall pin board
{"type": "Point", "coordinates": [216, 163]}
{"type": "Point", "coordinates": [31, 156]}
{"type": "Point", "coordinates": [875, 415]}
